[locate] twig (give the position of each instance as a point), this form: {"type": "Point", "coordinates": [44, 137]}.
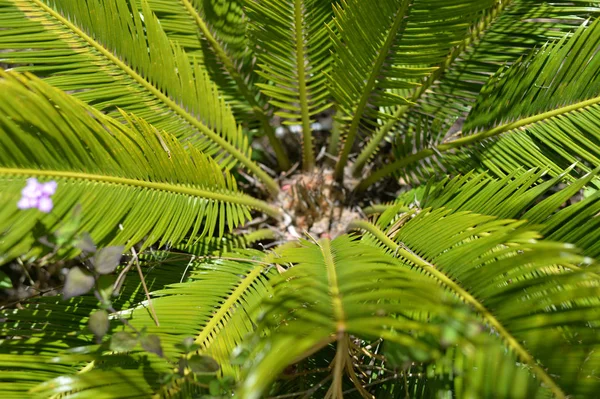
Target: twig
{"type": "Point", "coordinates": [112, 310]}
{"type": "Point", "coordinates": [395, 377]}
{"type": "Point", "coordinates": [307, 372]}
{"type": "Point", "coordinates": [121, 278]}
{"type": "Point", "coordinates": [22, 301]}
{"type": "Point", "coordinates": [139, 269]}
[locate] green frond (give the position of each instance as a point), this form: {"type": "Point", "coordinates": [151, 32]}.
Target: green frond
{"type": "Point", "coordinates": [545, 114]}
{"type": "Point", "coordinates": [506, 31]}
{"type": "Point", "coordinates": [215, 33]}
{"type": "Point", "coordinates": [489, 372]}
{"type": "Point", "coordinates": [576, 224]}
{"type": "Point", "coordinates": [293, 50]}
{"type": "Point", "coordinates": [519, 195]}
{"type": "Point", "coordinates": [535, 295]}
{"type": "Point", "coordinates": [327, 296]}
{"type": "Point", "coordinates": [223, 18]}
{"type": "Point", "coordinates": [226, 295]}
{"type": "Point", "coordinates": [133, 182]}
{"type": "Point", "coordinates": [200, 28]}
{"type": "Point", "coordinates": [388, 46]}
{"type": "Point", "coordinates": [73, 47]}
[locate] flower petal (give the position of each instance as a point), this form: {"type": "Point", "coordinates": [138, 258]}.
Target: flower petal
{"type": "Point", "coordinates": [25, 203]}
{"type": "Point", "coordinates": [33, 189]}
{"type": "Point", "coordinates": [49, 188]}
{"type": "Point", "coordinates": [45, 204]}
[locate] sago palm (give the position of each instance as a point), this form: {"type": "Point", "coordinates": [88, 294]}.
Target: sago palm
{"type": "Point", "coordinates": [321, 198]}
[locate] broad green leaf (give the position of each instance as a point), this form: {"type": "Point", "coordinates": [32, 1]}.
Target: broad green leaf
{"type": "Point", "coordinates": [77, 282]}
{"type": "Point", "coordinates": [107, 259]}
{"type": "Point", "coordinates": [98, 323]}
{"type": "Point", "coordinates": [203, 364]}
{"type": "Point", "coordinates": [151, 343]}
{"type": "Point", "coordinates": [123, 341]}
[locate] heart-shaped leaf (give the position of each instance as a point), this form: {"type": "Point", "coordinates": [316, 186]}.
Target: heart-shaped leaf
{"type": "Point", "coordinates": [151, 343]}
{"type": "Point", "coordinates": [85, 243]}
{"type": "Point", "coordinates": [123, 342]}
{"type": "Point", "coordinates": [203, 364]}
{"type": "Point", "coordinates": [98, 323]}
{"type": "Point", "coordinates": [105, 287]}
{"type": "Point", "coordinates": [78, 282]}
{"type": "Point", "coordinates": [107, 259]}
{"type": "Point", "coordinates": [187, 345]}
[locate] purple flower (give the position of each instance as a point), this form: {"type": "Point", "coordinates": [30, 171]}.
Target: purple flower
{"type": "Point", "coordinates": [37, 195]}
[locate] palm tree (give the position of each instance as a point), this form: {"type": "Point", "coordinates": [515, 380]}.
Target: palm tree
{"type": "Point", "coordinates": [186, 139]}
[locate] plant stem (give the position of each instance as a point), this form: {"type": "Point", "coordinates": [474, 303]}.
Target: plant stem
{"type": "Point", "coordinates": [234, 197]}
{"type": "Point", "coordinates": [308, 156]}
{"type": "Point", "coordinates": [397, 25]}
{"type": "Point", "coordinates": [143, 281]}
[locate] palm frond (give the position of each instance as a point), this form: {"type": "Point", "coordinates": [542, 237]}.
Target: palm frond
{"type": "Point", "coordinates": [94, 50]}
{"type": "Point", "coordinates": [505, 32]}
{"type": "Point", "coordinates": [532, 127]}
{"type": "Point", "coordinates": [397, 43]}
{"type": "Point", "coordinates": [322, 300]}
{"type": "Point", "coordinates": [293, 34]}
{"type": "Point", "coordinates": [214, 32]}
{"type": "Point", "coordinates": [488, 372]}
{"type": "Point", "coordinates": [133, 182]}
{"type": "Point", "coordinates": [535, 295]}
{"type": "Point", "coordinates": [519, 195]}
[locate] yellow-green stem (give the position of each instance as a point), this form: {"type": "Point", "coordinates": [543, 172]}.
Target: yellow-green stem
{"type": "Point", "coordinates": [308, 156]}
{"type": "Point", "coordinates": [233, 298]}
{"type": "Point", "coordinates": [237, 198]}
{"type": "Point", "coordinates": [334, 290]}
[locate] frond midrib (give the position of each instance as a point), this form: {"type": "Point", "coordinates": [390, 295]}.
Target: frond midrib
{"type": "Point", "coordinates": [474, 138]}
{"type": "Point", "coordinates": [307, 150]}
{"type": "Point", "coordinates": [480, 28]}
{"type": "Point", "coordinates": [511, 341]}
{"type": "Point", "coordinates": [241, 84]}
{"type": "Point", "coordinates": [179, 110]}
{"type": "Point", "coordinates": [395, 28]}
{"type": "Point", "coordinates": [239, 198]}
{"type": "Point", "coordinates": [334, 289]}
{"type": "Point", "coordinates": [224, 309]}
